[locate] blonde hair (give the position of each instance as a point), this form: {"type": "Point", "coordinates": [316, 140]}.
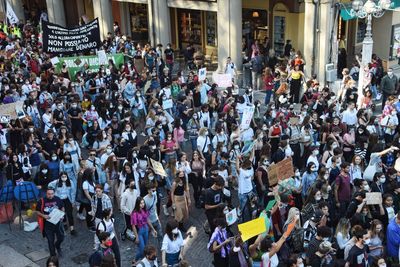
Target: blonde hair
{"type": "Point", "coordinates": [203, 130]}
{"type": "Point", "coordinates": [343, 227]}
{"type": "Point", "coordinates": [291, 216]}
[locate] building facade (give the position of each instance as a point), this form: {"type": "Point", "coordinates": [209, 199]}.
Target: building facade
{"type": "Point", "coordinates": [221, 28]}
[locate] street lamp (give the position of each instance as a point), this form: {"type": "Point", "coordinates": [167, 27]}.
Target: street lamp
{"type": "Point", "coordinates": [367, 9]}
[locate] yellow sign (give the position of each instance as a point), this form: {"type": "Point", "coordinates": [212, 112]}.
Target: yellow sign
{"type": "Point", "coordinates": [252, 228]}
{"type": "Point", "coordinates": [158, 168]}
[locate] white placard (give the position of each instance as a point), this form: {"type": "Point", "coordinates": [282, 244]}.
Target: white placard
{"type": "Point", "coordinates": [12, 18]}
{"type": "Point", "coordinates": [223, 80]}
{"type": "Point", "coordinates": [231, 217]}
{"type": "Point", "coordinates": [101, 54]}
{"type": "Point", "coordinates": [202, 74]}
{"type": "Point", "coordinates": [167, 104]}
{"type": "Point", "coordinates": [54, 60]}
{"type": "Point", "coordinates": [55, 216]}
{"type": "Point", "coordinates": [247, 117]}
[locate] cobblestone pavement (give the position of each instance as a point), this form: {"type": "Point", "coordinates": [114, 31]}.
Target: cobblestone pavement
{"type": "Point", "coordinates": [76, 249]}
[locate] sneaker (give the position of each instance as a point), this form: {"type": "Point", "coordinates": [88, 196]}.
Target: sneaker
{"type": "Point", "coordinates": [165, 209]}
{"type": "Point", "coordinates": [378, 96]}
{"type": "Point", "coordinates": [142, 134]}
{"type": "Point", "coordinates": [122, 236]}
{"type": "Point", "coordinates": [81, 217]}
{"type": "Point", "coordinates": [73, 232]}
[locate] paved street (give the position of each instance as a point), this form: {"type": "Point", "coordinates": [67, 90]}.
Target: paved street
{"type": "Point", "coordinates": [33, 247]}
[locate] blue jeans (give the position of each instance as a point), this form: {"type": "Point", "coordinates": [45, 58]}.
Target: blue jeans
{"type": "Point", "coordinates": [374, 90]}
{"type": "Point", "coordinates": [243, 200]}
{"type": "Point", "coordinates": [268, 94]}
{"type": "Point", "coordinates": [193, 141]}
{"type": "Point", "coordinates": [160, 235]}
{"type": "Point", "coordinates": [143, 235]}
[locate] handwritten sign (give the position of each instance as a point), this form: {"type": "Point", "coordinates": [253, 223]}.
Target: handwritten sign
{"type": "Point", "coordinates": [101, 54]}
{"type": "Point", "coordinates": [202, 74]}
{"type": "Point", "coordinates": [374, 198]}
{"type": "Point", "coordinates": [248, 113]}
{"type": "Point", "coordinates": [223, 80]}
{"type": "Point", "coordinates": [158, 168]}
{"type": "Point", "coordinates": [294, 120]}
{"type": "Point", "coordinates": [280, 171]}
{"type": "Point", "coordinates": [252, 228]}
{"type": "Point", "coordinates": [231, 217]}
{"type": "Point", "coordinates": [10, 110]}
{"type": "Point", "coordinates": [297, 108]}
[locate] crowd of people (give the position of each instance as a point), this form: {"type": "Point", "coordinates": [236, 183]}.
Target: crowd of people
{"type": "Point", "coordinates": [118, 143]}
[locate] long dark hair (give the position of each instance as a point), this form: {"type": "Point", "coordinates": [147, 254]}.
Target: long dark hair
{"type": "Point", "coordinates": [137, 204]}
{"type": "Point", "coordinates": [171, 225]}
{"type": "Point", "coordinates": [60, 182]}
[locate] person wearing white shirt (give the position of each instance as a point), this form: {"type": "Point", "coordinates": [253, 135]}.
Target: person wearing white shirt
{"type": "Point", "coordinates": [128, 200]}
{"type": "Point", "coordinates": [389, 124]}
{"type": "Point", "coordinates": [172, 245]}
{"type": "Point", "coordinates": [150, 257]}
{"type": "Point", "coordinates": [247, 135]}
{"type": "Point", "coordinates": [230, 67]}
{"type": "Point", "coordinates": [314, 157]}
{"type": "Point", "coordinates": [350, 115]}
{"type": "Point", "coordinates": [204, 117]}
{"type": "Point", "coordinates": [203, 143]}
{"type": "Point", "coordinates": [245, 174]}
{"type": "Point", "coordinates": [220, 137]}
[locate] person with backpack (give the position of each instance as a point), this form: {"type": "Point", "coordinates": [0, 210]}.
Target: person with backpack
{"type": "Point", "coordinates": [323, 234]}
{"type": "Point", "coordinates": [50, 230]}
{"type": "Point", "coordinates": [172, 244]}
{"type": "Point", "coordinates": [150, 257]}
{"type": "Point", "coordinates": [107, 225]}
{"type": "Point", "coordinates": [220, 243]}
{"type": "Point", "coordinates": [257, 66]}
{"type": "Point", "coordinates": [104, 249]}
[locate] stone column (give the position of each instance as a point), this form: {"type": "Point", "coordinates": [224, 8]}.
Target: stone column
{"type": "Point", "coordinates": [162, 22]}
{"type": "Point", "coordinates": [151, 20]}
{"type": "Point", "coordinates": [103, 11]}
{"type": "Point", "coordinates": [325, 25]}
{"type": "Point", "coordinates": [309, 35]}
{"type": "Point", "coordinates": [125, 18]}
{"type": "Point", "coordinates": [18, 9]}
{"type": "Point", "coordinates": [55, 11]}
{"type": "Point", "coordinates": [229, 22]}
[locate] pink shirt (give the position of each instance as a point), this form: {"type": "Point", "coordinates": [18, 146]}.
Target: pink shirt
{"type": "Point", "coordinates": [139, 218]}
{"type": "Point", "coordinates": [179, 134]}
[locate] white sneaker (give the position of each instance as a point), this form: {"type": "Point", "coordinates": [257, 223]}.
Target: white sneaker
{"type": "Point", "coordinates": [81, 217]}
{"type": "Point", "coordinates": [165, 209]}
{"type": "Point", "coordinates": [378, 96]}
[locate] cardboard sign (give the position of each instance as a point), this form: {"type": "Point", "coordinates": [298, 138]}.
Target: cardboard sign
{"type": "Point", "coordinates": [101, 54]}
{"type": "Point", "coordinates": [280, 171]}
{"type": "Point", "coordinates": [294, 120]}
{"type": "Point", "coordinates": [248, 113]}
{"type": "Point", "coordinates": [10, 110]}
{"type": "Point", "coordinates": [167, 104]}
{"type": "Point", "coordinates": [158, 168]}
{"type": "Point", "coordinates": [374, 198]}
{"type": "Point", "coordinates": [297, 108]}
{"type": "Point", "coordinates": [202, 74]}
{"type": "Point", "coordinates": [231, 217]}
{"type": "Point", "coordinates": [252, 228]}
{"type": "Point", "coordinates": [223, 80]}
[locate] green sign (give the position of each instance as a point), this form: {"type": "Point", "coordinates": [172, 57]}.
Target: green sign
{"type": "Point", "coordinates": [346, 7]}
{"type": "Point", "coordinates": [76, 64]}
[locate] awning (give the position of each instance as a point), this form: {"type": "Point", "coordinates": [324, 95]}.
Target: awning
{"type": "Point", "coordinates": [346, 7]}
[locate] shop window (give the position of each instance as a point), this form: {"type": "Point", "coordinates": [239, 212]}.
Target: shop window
{"type": "Point", "coordinates": [255, 23]}
{"type": "Point", "coordinates": [190, 26]}
{"type": "Point", "coordinates": [211, 28]}
{"type": "Point", "coordinates": [395, 42]}
{"type": "Point", "coordinates": [361, 30]}
{"type": "Point", "coordinates": [279, 34]}
{"type": "Point", "coordinates": [139, 21]}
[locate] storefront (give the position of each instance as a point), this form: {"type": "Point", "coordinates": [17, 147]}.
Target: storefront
{"type": "Point", "coordinates": [139, 22]}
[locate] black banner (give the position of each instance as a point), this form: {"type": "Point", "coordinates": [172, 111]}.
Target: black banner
{"type": "Point", "coordinates": [60, 40]}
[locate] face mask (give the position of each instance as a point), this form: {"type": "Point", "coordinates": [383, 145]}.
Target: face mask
{"type": "Point", "coordinates": [169, 138]}
{"type": "Point", "coordinates": [31, 130]}
{"type": "Point", "coordinates": [120, 107]}
{"type": "Point", "coordinates": [334, 145]}
{"type": "Point", "coordinates": [127, 129]}
{"type": "Point", "coordinates": [236, 147]}
{"type": "Point", "coordinates": [325, 238]}
{"type": "Point", "coordinates": [73, 105]}
{"type": "Point", "coordinates": [315, 152]}
{"type": "Point", "coordinates": [265, 162]}
{"type": "Point", "coordinates": [366, 242]}
{"type": "Point", "coordinates": [92, 108]}
{"type": "Point", "coordinates": [154, 193]}
{"type": "Point", "coordinates": [109, 150]}
{"type": "Point", "coordinates": [366, 187]}
{"type": "Point", "coordinates": [44, 171]}
{"type": "Point", "coordinates": [382, 180]}
{"type": "Point", "coordinates": [59, 106]}
{"type": "Point", "coordinates": [54, 158]}
{"type": "Point", "coordinates": [236, 249]}
{"type": "Point", "coordinates": [64, 179]}
{"type": "Point", "coordinates": [195, 117]}
{"type": "Point", "coordinates": [153, 147]}
{"type": "Point", "coordinates": [317, 198]}
{"type": "Point", "coordinates": [159, 126]}
{"type": "Point", "coordinates": [264, 128]}
{"type": "Point", "coordinates": [175, 231]}
{"type": "Point", "coordinates": [108, 243]}
{"type": "Point", "coordinates": [390, 73]}
{"type": "Point", "coordinates": [382, 265]}
{"type": "Point", "coordinates": [297, 174]}
{"type": "Point", "coordinates": [300, 265]}
{"type": "Point", "coordinates": [326, 176]}
{"type": "Point", "coordinates": [206, 133]}
{"type": "Point", "coordinates": [151, 177]}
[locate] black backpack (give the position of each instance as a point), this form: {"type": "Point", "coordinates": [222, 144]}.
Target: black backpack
{"type": "Point", "coordinates": [296, 241]}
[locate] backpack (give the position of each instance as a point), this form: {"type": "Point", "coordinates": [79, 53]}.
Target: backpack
{"type": "Point", "coordinates": [296, 241]}
{"type": "Point", "coordinates": [98, 252]}
{"type": "Point", "coordinates": [355, 76]}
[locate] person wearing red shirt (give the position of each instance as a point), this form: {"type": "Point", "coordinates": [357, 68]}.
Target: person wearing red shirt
{"type": "Point", "coordinates": [268, 84]}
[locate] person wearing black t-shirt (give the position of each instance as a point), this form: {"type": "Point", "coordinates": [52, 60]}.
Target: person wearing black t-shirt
{"type": "Point", "coordinates": [358, 254]}
{"type": "Point", "coordinates": [50, 144]}
{"type": "Point", "coordinates": [58, 116]}
{"type": "Point", "coordinates": [75, 115]}
{"type": "Point", "coordinates": [169, 57]}
{"type": "Point", "coordinates": [44, 208]}
{"type": "Point", "coordinates": [214, 199]}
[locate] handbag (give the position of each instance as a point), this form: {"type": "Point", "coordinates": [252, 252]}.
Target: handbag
{"type": "Point", "coordinates": [40, 219]}
{"type": "Point", "coordinates": [80, 197]}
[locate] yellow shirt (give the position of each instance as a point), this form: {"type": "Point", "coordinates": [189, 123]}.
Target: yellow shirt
{"type": "Point", "coordinates": [296, 75]}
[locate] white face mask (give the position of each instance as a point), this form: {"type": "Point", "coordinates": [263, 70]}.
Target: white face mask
{"type": "Point", "coordinates": [151, 177]}
{"type": "Point", "coordinates": [264, 128]}
{"type": "Point", "coordinates": [382, 265]}
{"type": "Point", "coordinates": [154, 193]}
{"type": "Point", "coordinates": [334, 145]}
{"type": "Point", "coordinates": [92, 108]}
{"type": "Point", "coordinates": [325, 238]}
{"type": "Point", "coordinates": [300, 265]}
{"type": "Point", "coordinates": [153, 147]}
{"type": "Point", "coordinates": [367, 242]}
{"type": "Point", "coordinates": [315, 152]}
{"type": "Point", "coordinates": [326, 176]}
{"type": "Point", "coordinates": [64, 179]}
{"type": "Point", "coordinates": [74, 105]}
{"type": "Point", "coordinates": [175, 231]}
{"type": "Point", "coordinates": [236, 249]}
{"type": "Point", "coordinates": [317, 198]}
{"type": "Point", "coordinates": [109, 150]}
{"type": "Point", "coordinates": [54, 158]}
{"type": "Point", "coordinates": [236, 147]}
{"type": "Point", "coordinates": [382, 180]}
{"type": "Point", "coordinates": [44, 171]}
